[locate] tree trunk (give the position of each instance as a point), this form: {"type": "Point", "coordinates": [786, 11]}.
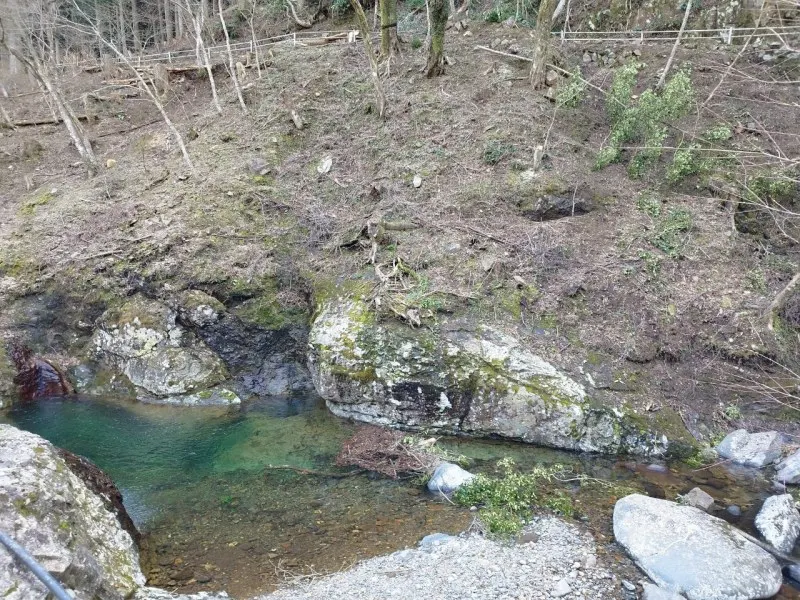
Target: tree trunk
{"type": "Point", "coordinates": [121, 25]}
{"type": "Point", "coordinates": [439, 12]}
{"type": "Point", "coordinates": [390, 42]}
{"type": "Point", "coordinates": [137, 40]}
{"type": "Point", "coordinates": [541, 45]}
{"type": "Point", "coordinates": [167, 20]}
{"type": "Point", "coordinates": [202, 56]}
{"type": "Point", "coordinates": [365, 35]}
{"type": "Point", "coordinates": [231, 65]}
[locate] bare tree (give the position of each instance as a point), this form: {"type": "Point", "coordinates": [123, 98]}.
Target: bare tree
{"type": "Point", "coordinates": [149, 87]}
{"type": "Point", "coordinates": [231, 65]}
{"type": "Point", "coordinates": [195, 12]}
{"type": "Point", "coordinates": [439, 10]}
{"type": "Point", "coordinates": [251, 15]}
{"type": "Point", "coordinates": [27, 18]}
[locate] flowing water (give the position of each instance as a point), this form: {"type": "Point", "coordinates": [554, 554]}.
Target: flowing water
{"type": "Point", "coordinates": [244, 498]}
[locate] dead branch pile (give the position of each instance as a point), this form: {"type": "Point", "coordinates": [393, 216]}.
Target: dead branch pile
{"type": "Point", "coordinates": [385, 451]}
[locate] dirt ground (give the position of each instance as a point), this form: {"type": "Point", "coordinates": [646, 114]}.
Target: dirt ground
{"type": "Point", "coordinates": [591, 292]}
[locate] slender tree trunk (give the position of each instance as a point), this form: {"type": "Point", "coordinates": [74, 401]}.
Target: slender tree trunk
{"type": "Point", "coordinates": [137, 40]}
{"type": "Point", "coordinates": [373, 63]}
{"type": "Point", "coordinates": [202, 55]}
{"type": "Point", "coordinates": [121, 25]}
{"type": "Point", "coordinates": [253, 38]}
{"type": "Point", "coordinates": [161, 25]}
{"type": "Point", "coordinates": [167, 20]}
{"type": "Point", "coordinates": [663, 77]}
{"type": "Point", "coordinates": [439, 12]}
{"type": "Point", "coordinates": [231, 65]}
{"type": "Point", "coordinates": [541, 45]}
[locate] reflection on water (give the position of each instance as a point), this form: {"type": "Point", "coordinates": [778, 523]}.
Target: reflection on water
{"type": "Point", "coordinates": [241, 498]}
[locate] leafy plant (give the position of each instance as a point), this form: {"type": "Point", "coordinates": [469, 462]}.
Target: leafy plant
{"type": "Point", "coordinates": [649, 204]}
{"type": "Point", "coordinates": [670, 232]}
{"type": "Point", "coordinates": [340, 7]}
{"type": "Point", "coordinates": [506, 502]}
{"type": "Point", "coordinates": [718, 133]}
{"type": "Point", "coordinates": [494, 151]}
{"type": "Point", "coordinates": [572, 91]}
{"type": "Point", "coordinates": [643, 120]}
{"type": "Point", "coordinates": [685, 162]}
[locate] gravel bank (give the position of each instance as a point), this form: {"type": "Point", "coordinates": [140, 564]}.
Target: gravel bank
{"type": "Point", "coordinates": [559, 561]}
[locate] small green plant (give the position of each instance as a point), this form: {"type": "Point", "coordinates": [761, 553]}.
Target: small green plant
{"type": "Point", "coordinates": [494, 151]}
{"type": "Point", "coordinates": [340, 7]}
{"type": "Point", "coordinates": [506, 502]}
{"type": "Point", "coordinates": [652, 264]}
{"type": "Point", "coordinates": [732, 412]}
{"type": "Point", "coordinates": [718, 133]}
{"type": "Point", "coordinates": [572, 91]}
{"type": "Point", "coordinates": [671, 232]}
{"type": "Point", "coordinates": [649, 204]}
{"type": "Point", "coordinates": [685, 162]}
{"type": "Point", "coordinates": [756, 281]}
{"type": "Point", "coordinates": [416, 43]}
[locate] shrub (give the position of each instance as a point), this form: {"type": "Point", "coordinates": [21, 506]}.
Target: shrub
{"type": "Point", "coordinates": [572, 91]}
{"type": "Point", "coordinates": [507, 501]}
{"type": "Point", "coordinates": [495, 151]}
{"type": "Point", "coordinates": [643, 120]}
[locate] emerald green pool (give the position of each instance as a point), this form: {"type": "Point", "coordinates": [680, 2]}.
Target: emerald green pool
{"type": "Point", "coordinates": [243, 498]}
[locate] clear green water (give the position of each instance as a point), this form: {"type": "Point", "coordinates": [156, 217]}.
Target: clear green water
{"type": "Point", "coordinates": [201, 484]}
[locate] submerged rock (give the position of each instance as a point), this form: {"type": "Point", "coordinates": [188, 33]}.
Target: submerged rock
{"type": "Point", "coordinates": [447, 478]}
{"type": "Point", "coordinates": [751, 449]}
{"type": "Point", "coordinates": [779, 522]}
{"type": "Point", "coordinates": [53, 514]}
{"type": "Point", "coordinates": [162, 359]}
{"type": "Point", "coordinates": [689, 552]}
{"type": "Point", "coordinates": [459, 379]}
{"type": "Point", "coordinates": [699, 499]}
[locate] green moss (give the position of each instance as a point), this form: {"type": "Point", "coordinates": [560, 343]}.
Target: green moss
{"type": "Point", "coordinates": [40, 199]}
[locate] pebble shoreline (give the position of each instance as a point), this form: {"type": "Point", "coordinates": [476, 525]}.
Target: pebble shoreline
{"type": "Point", "coordinates": [560, 561]}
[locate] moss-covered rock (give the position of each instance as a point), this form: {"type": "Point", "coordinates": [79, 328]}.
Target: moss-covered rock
{"type": "Point", "coordinates": [462, 379]}
{"type": "Point", "coordinates": [162, 359]}
{"type": "Point", "coordinates": [7, 372]}
{"type": "Point", "coordinates": [62, 523]}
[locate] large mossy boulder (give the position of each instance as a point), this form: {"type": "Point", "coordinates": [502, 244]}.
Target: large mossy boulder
{"type": "Point", "coordinates": [166, 362]}
{"type": "Point", "coordinates": [459, 379]}
{"type": "Point", "coordinates": [54, 515]}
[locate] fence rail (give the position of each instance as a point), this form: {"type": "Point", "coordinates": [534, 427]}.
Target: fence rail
{"type": "Point", "coordinates": [302, 38]}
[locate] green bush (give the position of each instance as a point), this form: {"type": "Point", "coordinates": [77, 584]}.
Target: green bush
{"type": "Point", "coordinates": [572, 91]}
{"type": "Point", "coordinates": [507, 501]}
{"type": "Point", "coordinates": [644, 120]}
{"type": "Point", "coordinates": [495, 151]}
{"type": "Point", "coordinates": [670, 234]}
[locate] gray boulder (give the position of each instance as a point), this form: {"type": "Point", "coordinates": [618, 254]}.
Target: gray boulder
{"type": "Point", "coordinates": [789, 469]}
{"type": "Point", "coordinates": [751, 449]}
{"type": "Point", "coordinates": [779, 522]}
{"type": "Point", "coordinates": [460, 378]}
{"type": "Point", "coordinates": [62, 523]}
{"type": "Point", "coordinates": [686, 551]}
{"type": "Point", "coordinates": [699, 499]}
{"type": "Point", "coordinates": [166, 362]}
{"type": "Point", "coordinates": [653, 592]}
{"type": "Point", "coordinates": [447, 478]}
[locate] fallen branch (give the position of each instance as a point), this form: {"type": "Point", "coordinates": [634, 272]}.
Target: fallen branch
{"type": "Point", "coordinates": [300, 23]}
{"type": "Point", "coordinates": [48, 121]}
{"type": "Point", "coordinates": [663, 77]}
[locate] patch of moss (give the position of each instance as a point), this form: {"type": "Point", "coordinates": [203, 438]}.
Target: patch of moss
{"type": "Point", "coordinates": [40, 199]}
